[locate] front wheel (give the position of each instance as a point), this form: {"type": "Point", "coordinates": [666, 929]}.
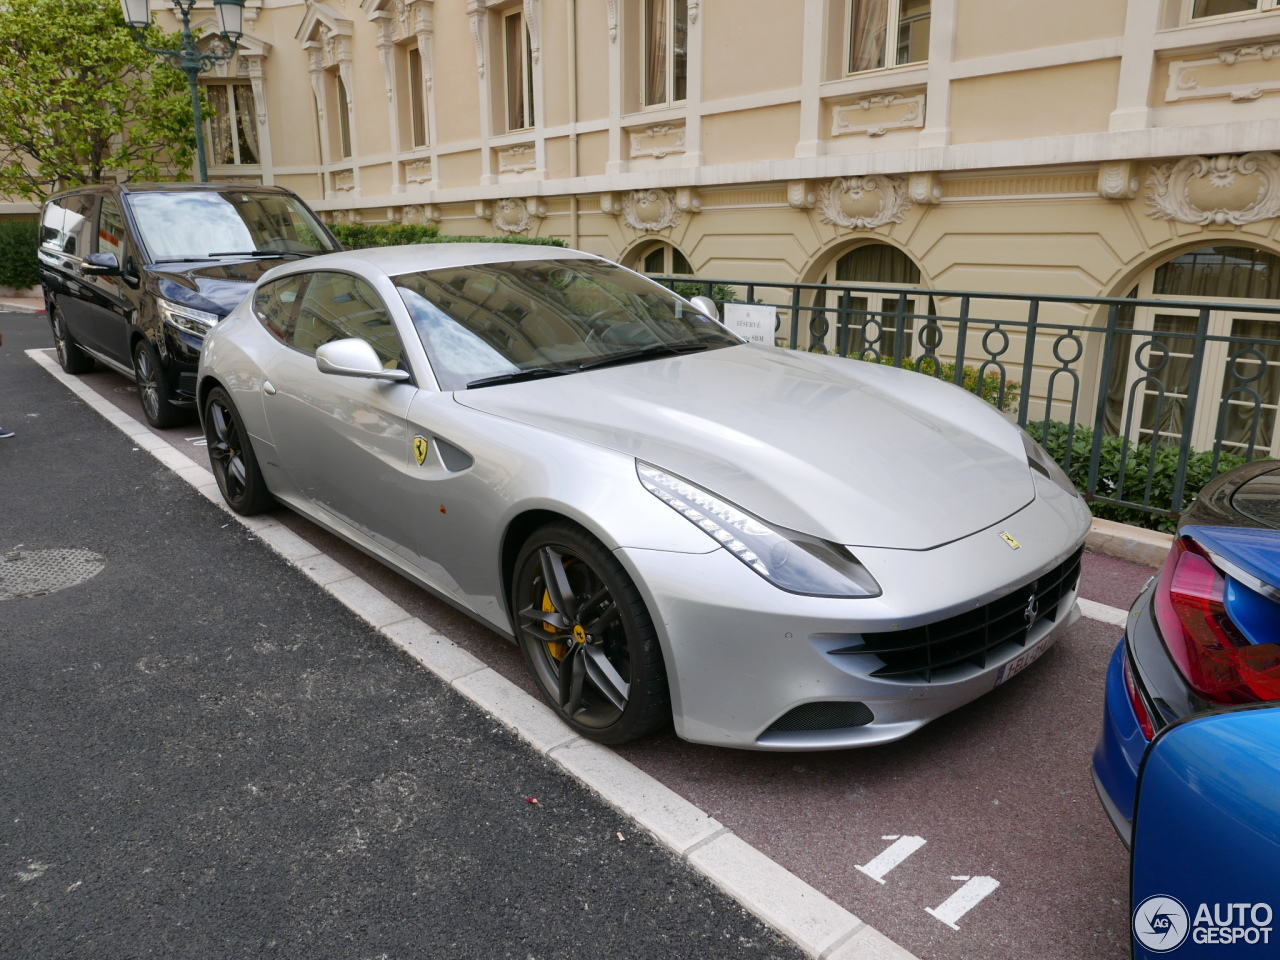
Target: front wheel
{"type": "Point", "coordinates": [231, 454]}
{"type": "Point", "coordinates": [153, 387]}
{"type": "Point", "coordinates": [587, 636]}
{"type": "Point", "coordinates": [70, 357]}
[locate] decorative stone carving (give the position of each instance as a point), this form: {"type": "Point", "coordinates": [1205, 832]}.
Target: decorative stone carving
{"type": "Point", "coordinates": [610, 204]}
{"type": "Point", "coordinates": [421, 213]}
{"type": "Point", "coordinates": [517, 159]}
{"type": "Point", "coordinates": [533, 23]}
{"type": "Point", "coordinates": [343, 179]}
{"type": "Point", "coordinates": [477, 12]}
{"type": "Point", "coordinates": [650, 210]}
{"type": "Point", "coordinates": [511, 215]}
{"type": "Point", "coordinates": [688, 200]}
{"type": "Point", "coordinates": [864, 202]}
{"type": "Point", "coordinates": [1216, 190]}
{"type": "Point", "coordinates": [924, 187]}
{"type": "Point", "coordinates": [693, 10]}
{"type": "Point", "coordinates": [613, 20]}
{"type": "Point", "coordinates": [484, 210]}
{"type": "Point", "coordinates": [1241, 74]}
{"type": "Point", "coordinates": [1118, 180]}
{"type": "Point", "coordinates": [657, 141]}
{"type": "Point", "coordinates": [801, 194]}
{"type": "Point", "coordinates": [418, 171]}
{"type": "Point", "coordinates": [347, 217]}
{"type": "Point", "coordinates": [876, 116]}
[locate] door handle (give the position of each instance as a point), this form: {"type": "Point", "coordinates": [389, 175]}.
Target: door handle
{"type": "Point", "coordinates": [268, 388]}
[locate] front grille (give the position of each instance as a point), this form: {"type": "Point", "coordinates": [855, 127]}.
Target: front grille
{"type": "Point", "coordinates": [823, 715]}
{"type": "Point", "coordinates": [969, 637]}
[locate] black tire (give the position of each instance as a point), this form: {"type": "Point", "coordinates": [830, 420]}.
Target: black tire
{"type": "Point", "coordinates": [70, 357]}
{"type": "Point", "coordinates": [609, 629]}
{"type": "Point", "coordinates": [154, 390]}
{"type": "Point", "coordinates": [231, 454]}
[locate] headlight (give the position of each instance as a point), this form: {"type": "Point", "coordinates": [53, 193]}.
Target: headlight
{"type": "Point", "coordinates": [1038, 459]}
{"type": "Point", "coordinates": [184, 318]}
{"type": "Point", "coordinates": [790, 560]}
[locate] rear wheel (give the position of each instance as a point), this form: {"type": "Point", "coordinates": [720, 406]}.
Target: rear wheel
{"type": "Point", "coordinates": [153, 388]}
{"type": "Point", "coordinates": [70, 357]}
{"type": "Point", "coordinates": [587, 636]}
{"type": "Point", "coordinates": [231, 454]}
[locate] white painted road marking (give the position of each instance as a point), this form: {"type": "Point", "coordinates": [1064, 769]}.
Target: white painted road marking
{"type": "Point", "coordinates": [899, 850]}
{"type": "Point", "coordinates": [1100, 611]}
{"type": "Point", "coordinates": [963, 900]}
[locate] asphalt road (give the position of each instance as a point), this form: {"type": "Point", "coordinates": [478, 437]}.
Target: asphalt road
{"type": "Point", "coordinates": [204, 755]}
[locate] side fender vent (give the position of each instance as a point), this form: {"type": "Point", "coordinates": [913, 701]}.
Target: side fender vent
{"type": "Point", "coordinates": [823, 715]}
{"type": "Point", "coordinates": [454, 458]}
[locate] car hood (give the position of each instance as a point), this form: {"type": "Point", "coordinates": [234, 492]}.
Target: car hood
{"type": "Point", "coordinates": [215, 286]}
{"type": "Point", "coordinates": [858, 453]}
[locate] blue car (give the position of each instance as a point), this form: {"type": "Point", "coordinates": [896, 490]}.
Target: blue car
{"type": "Point", "coordinates": [1204, 633]}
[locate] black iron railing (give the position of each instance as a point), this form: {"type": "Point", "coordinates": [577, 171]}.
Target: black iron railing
{"type": "Point", "coordinates": [1140, 400]}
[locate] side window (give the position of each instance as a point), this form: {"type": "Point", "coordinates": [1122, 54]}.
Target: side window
{"type": "Point", "coordinates": [111, 230]}
{"type": "Point", "coordinates": [64, 225]}
{"type": "Point", "coordinates": [336, 306]}
{"type": "Point", "coordinates": [276, 306]}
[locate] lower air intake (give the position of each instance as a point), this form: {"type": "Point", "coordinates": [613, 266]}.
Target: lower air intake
{"type": "Point", "coordinates": [823, 715]}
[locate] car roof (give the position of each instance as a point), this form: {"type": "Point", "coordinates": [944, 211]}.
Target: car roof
{"type": "Point", "coordinates": [169, 187]}
{"type": "Point", "coordinates": [412, 258]}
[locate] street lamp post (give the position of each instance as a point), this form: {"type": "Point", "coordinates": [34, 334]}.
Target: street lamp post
{"type": "Point", "coordinates": [188, 57]}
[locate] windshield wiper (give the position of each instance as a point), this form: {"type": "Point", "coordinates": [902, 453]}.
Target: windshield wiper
{"type": "Point", "coordinates": [261, 253]}
{"type": "Point", "coordinates": [644, 353]}
{"type": "Point", "coordinates": [536, 373]}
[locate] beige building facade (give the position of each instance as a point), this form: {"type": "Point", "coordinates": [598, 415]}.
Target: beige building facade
{"type": "Point", "coordinates": [991, 145]}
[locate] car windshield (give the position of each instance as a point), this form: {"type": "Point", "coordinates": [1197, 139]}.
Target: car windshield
{"type": "Point", "coordinates": [500, 322]}
{"type": "Point", "coordinates": [200, 224]}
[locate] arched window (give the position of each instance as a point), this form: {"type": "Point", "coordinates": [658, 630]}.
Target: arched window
{"type": "Point", "coordinates": [1236, 401]}
{"type": "Point", "coordinates": [862, 323]}
{"type": "Point", "coordinates": [660, 260]}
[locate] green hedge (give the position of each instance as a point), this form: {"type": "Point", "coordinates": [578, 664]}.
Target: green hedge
{"type": "Point", "coordinates": [362, 236]}
{"type": "Point", "coordinates": [1114, 451]}
{"type": "Point", "coordinates": [18, 265]}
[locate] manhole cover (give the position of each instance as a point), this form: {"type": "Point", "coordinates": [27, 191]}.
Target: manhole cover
{"type": "Point", "coordinates": [33, 573]}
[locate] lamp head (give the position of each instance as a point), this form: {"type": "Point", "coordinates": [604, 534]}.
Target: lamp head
{"type": "Point", "coordinates": [137, 13]}
{"type": "Point", "coordinates": [231, 16]}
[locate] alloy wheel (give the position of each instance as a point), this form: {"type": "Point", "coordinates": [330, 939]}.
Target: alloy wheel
{"type": "Point", "coordinates": [148, 387]}
{"type": "Point", "coordinates": [580, 646]}
{"type": "Point", "coordinates": [59, 337]}
{"type": "Point", "coordinates": [226, 450]}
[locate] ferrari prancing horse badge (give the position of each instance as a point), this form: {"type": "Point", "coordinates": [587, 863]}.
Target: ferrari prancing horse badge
{"type": "Point", "coordinates": [420, 449]}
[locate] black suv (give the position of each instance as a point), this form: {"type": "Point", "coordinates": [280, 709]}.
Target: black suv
{"type": "Point", "coordinates": [134, 275]}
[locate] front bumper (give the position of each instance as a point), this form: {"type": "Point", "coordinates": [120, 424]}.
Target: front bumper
{"type": "Point", "coordinates": [741, 654]}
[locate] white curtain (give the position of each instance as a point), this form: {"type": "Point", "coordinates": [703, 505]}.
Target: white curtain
{"type": "Point", "coordinates": [655, 17]}
{"type": "Point", "coordinates": [868, 20]}
{"type": "Point", "coordinates": [247, 121]}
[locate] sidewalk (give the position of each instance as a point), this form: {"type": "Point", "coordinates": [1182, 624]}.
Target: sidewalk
{"type": "Point", "coordinates": [21, 305]}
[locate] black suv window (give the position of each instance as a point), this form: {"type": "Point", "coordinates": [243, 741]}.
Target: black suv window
{"type": "Point", "coordinates": [337, 306]}
{"type": "Point", "coordinates": [65, 224]}
{"type": "Point", "coordinates": [276, 305]}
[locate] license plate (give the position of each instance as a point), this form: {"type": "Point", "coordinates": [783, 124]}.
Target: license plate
{"type": "Point", "coordinates": [1023, 660]}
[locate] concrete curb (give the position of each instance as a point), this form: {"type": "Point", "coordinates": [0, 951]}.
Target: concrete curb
{"type": "Point", "coordinates": [21, 305]}
{"type": "Point", "coordinates": [818, 925]}
{"type": "Point", "coordinates": [1127, 542]}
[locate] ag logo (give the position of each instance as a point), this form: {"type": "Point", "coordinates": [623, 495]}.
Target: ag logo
{"type": "Point", "coordinates": [420, 449]}
{"type": "Point", "coordinates": [1160, 924]}
{"type": "Point", "coordinates": [1013, 544]}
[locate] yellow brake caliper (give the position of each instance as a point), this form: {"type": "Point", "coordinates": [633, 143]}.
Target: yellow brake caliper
{"type": "Point", "coordinates": [556, 649]}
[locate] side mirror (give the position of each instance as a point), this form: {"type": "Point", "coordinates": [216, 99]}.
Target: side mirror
{"type": "Point", "coordinates": [354, 358]}
{"type": "Point", "coordinates": [1206, 836]}
{"type": "Point", "coordinates": [101, 265]}
{"type": "Point", "coordinates": [706, 306]}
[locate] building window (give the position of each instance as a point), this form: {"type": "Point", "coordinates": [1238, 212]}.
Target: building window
{"type": "Point", "coordinates": [232, 131]}
{"type": "Point", "coordinates": [666, 57]}
{"type": "Point", "coordinates": [859, 323]}
{"type": "Point", "coordinates": [887, 33]}
{"type": "Point", "coordinates": [417, 99]}
{"type": "Point", "coordinates": [661, 260]}
{"type": "Point", "coordinates": [1203, 9]}
{"type": "Point", "coordinates": [519, 71]}
{"type": "Point", "coordinates": [340, 107]}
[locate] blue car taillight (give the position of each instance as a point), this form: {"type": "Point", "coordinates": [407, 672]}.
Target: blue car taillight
{"type": "Point", "coordinates": [1212, 653]}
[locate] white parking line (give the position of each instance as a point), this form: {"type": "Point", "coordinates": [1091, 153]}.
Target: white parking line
{"type": "Point", "coordinates": [819, 926]}
{"type": "Point", "coordinates": [963, 900]}
{"type": "Point", "coordinates": [1100, 611]}
{"type": "Point", "coordinates": [899, 850]}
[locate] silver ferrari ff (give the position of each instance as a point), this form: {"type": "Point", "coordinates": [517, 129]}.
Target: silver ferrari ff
{"type": "Point", "coordinates": [776, 550]}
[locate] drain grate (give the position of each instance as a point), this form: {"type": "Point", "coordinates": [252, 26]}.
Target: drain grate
{"type": "Point", "coordinates": [33, 573]}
